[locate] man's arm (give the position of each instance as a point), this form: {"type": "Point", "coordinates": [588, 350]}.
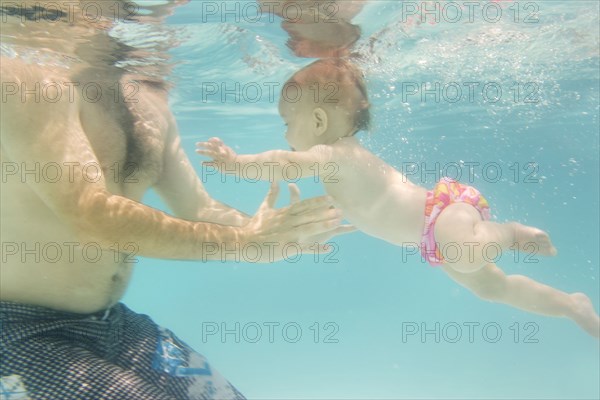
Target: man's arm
{"type": "Point", "coordinates": [274, 165]}
{"type": "Point", "coordinates": [182, 190]}
{"type": "Point", "coordinates": [44, 134]}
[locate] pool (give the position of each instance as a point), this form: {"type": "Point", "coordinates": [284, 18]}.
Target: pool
{"type": "Point", "coordinates": [372, 321]}
{"type": "Point", "coordinates": [502, 95]}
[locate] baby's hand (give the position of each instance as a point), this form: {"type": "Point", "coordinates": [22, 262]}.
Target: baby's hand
{"type": "Point", "coordinates": [222, 155]}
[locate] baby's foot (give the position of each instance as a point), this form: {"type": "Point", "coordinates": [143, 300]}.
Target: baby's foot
{"type": "Point", "coordinates": [532, 239]}
{"type": "Point", "coordinates": [584, 314]}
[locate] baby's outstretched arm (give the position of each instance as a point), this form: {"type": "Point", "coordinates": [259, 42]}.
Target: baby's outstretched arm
{"type": "Point", "coordinates": [273, 165]}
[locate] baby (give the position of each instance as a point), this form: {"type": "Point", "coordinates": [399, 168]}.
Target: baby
{"type": "Point", "coordinates": [324, 105]}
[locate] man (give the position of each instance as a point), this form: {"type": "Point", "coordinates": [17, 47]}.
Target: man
{"type": "Point", "coordinates": [82, 141]}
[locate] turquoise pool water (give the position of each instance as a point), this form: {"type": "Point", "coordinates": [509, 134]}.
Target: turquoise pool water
{"type": "Point", "coordinates": [342, 327]}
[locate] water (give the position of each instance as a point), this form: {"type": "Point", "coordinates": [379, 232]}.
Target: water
{"type": "Point", "coordinates": [338, 326]}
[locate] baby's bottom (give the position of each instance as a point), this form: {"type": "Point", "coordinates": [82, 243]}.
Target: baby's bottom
{"type": "Point", "coordinates": [468, 243]}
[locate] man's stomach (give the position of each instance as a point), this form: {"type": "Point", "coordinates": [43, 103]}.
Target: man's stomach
{"type": "Point", "coordinates": [43, 262]}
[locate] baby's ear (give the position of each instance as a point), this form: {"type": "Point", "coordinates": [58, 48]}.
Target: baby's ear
{"type": "Point", "coordinates": [320, 121]}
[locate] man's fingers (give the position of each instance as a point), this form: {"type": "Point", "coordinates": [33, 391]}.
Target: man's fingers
{"type": "Point", "coordinates": [294, 193]}
{"type": "Point", "coordinates": [324, 215]}
{"type": "Point", "coordinates": [314, 228]}
{"type": "Point", "coordinates": [271, 198]}
{"type": "Point", "coordinates": [310, 205]}
{"type": "Point", "coordinates": [340, 230]}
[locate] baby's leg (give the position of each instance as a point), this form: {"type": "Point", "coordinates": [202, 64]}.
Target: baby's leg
{"type": "Point", "coordinates": [492, 284]}
{"type": "Point", "coordinates": [460, 226]}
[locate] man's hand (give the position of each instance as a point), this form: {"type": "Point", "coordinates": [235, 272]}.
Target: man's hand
{"type": "Point", "coordinates": [283, 233]}
{"type": "Point", "coordinates": [321, 239]}
{"type": "Point", "coordinates": [223, 157]}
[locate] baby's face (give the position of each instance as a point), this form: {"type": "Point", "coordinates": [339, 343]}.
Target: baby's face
{"type": "Point", "coordinates": [300, 133]}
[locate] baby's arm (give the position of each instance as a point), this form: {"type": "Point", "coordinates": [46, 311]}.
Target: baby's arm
{"type": "Point", "coordinates": [272, 165]}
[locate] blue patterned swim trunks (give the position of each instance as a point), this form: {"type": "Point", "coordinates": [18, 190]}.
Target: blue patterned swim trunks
{"type": "Point", "coordinates": [115, 354]}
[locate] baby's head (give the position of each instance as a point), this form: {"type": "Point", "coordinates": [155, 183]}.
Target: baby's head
{"type": "Point", "coordinates": [324, 102]}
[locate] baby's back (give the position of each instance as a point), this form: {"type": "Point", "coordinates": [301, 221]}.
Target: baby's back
{"type": "Point", "coordinates": [375, 197]}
